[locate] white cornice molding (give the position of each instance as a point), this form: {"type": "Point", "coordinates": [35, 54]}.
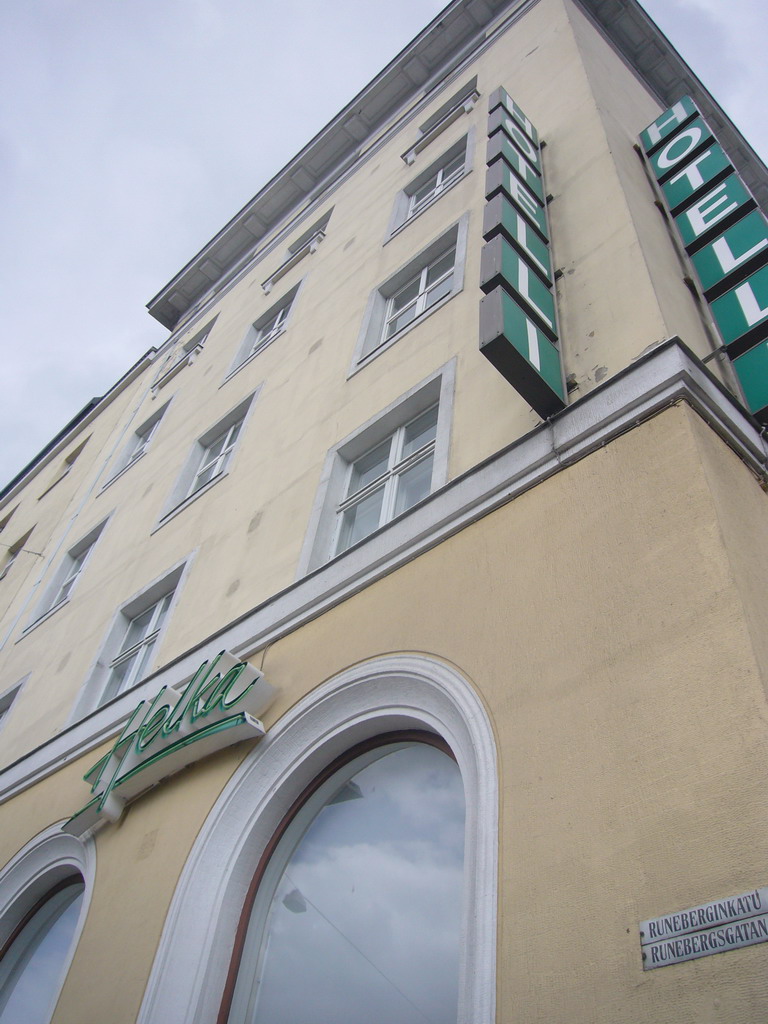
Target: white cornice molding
{"type": "Point", "coordinates": [667, 374]}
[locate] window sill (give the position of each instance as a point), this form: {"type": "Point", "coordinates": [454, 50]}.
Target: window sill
{"type": "Point", "coordinates": [42, 618]}
{"type": "Point", "coordinates": [121, 472]}
{"type": "Point", "coordinates": [462, 107]}
{"type": "Point", "coordinates": [189, 500]}
{"type": "Point", "coordinates": [296, 257]}
{"type": "Point", "coordinates": [178, 366]}
{"type": "Point", "coordinates": [384, 345]}
{"type": "Point", "coordinates": [427, 206]}
{"type": "Point", "coordinates": [251, 357]}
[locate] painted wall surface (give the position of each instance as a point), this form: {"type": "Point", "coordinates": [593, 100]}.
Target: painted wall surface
{"type": "Point", "coordinates": [630, 722]}
{"type": "Point", "coordinates": [621, 107]}
{"type": "Point", "coordinates": [242, 538]}
{"type": "Point", "coordinates": [612, 618]}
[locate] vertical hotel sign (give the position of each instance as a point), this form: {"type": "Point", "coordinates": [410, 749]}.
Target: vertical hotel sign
{"type": "Point", "coordinates": [724, 234]}
{"type": "Point", "coordinates": [518, 320]}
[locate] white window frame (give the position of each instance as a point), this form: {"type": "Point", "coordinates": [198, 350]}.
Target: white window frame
{"type": "Point", "coordinates": [186, 490]}
{"type": "Point", "coordinates": [139, 443]}
{"type": "Point", "coordinates": [263, 331]}
{"type": "Point", "coordinates": [368, 700]}
{"type": "Point", "coordinates": [322, 534]}
{"type": "Point", "coordinates": [372, 340]}
{"type": "Point", "coordinates": [388, 483]}
{"type": "Point", "coordinates": [92, 694]}
{"type": "Point", "coordinates": [406, 210]}
{"type": "Point", "coordinates": [38, 867]}
{"type": "Point", "coordinates": [137, 653]}
{"type": "Point", "coordinates": [67, 575]}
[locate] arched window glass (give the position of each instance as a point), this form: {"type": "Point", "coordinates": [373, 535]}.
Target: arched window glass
{"type": "Point", "coordinates": [32, 962]}
{"type": "Point", "coordinates": [357, 906]}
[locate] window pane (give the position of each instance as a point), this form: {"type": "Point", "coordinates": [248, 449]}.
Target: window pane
{"type": "Point", "coordinates": [453, 167]}
{"type": "Point", "coordinates": [30, 972]}
{"type": "Point", "coordinates": [369, 466]}
{"type": "Point", "coordinates": [419, 432]}
{"type": "Point", "coordinates": [137, 629]}
{"type": "Point", "coordinates": [361, 519]}
{"type": "Point", "coordinates": [405, 295]}
{"type": "Point", "coordinates": [233, 434]}
{"type": "Point", "coordinates": [425, 192]}
{"type": "Point", "coordinates": [117, 679]}
{"type": "Point", "coordinates": [366, 917]}
{"type": "Point", "coordinates": [441, 266]}
{"type": "Point", "coordinates": [401, 320]}
{"type": "Point", "coordinates": [413, 485]}
{"type": "Point", "coordinates": [440, 290]}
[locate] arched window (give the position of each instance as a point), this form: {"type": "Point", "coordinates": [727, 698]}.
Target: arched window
{"type": "Point", "coordinates": [359, 895]}
{"type": "Point", "coordinates": [251, 852]}
{"type": "Point", "coordinates": [32, 962]}
{"type": "Point", "coordinates": [44, 894]}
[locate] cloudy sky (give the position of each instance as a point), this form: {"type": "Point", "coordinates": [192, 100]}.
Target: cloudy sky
{"type": "Point", "coordinates": [132, 131]}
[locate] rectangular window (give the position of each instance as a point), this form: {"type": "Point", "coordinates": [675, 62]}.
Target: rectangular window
{"type": "Point", "coordinates": [437, 183]}
{"type": "Point", "coordinates": [210, 458]}
{"type": "Point", "coordinates": [427, 287]}
{"type": "Point", "coordinates": [461, 102]}
{"type": "Point", "coordinates": [264, 330]}
{"type": "Point", "coordinates": [388, 479]}
{"type": "Point", "coordinates": [139, 443]}
{"type": "Point", "coordinates": [432, 183]}
{"type": "Point", "coordinates": [412, 293]}
{"type": "Point", "coordinates": [216, 456]}
{"type": "Point", "coordinates": [68, 573]}
{"type": "Point", "coordinates": [134, 657]}
{"type": "Point", "coordinates": [382, 470]}
{"type": "Point", "coordinates": [267, 329]}
{"type": "Point", "coordinates": [129, 651]}
{"type": "Point", "coordinates": [66, 466]}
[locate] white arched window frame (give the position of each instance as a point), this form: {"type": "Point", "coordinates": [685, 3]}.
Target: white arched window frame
{"type": "Point", "coordinates": [41, 865]}
{"type": "Point", "coordinates": [380, 696]}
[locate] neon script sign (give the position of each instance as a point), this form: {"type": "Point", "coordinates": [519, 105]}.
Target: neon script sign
{"type": "Point", "coordinates": [214, 709]}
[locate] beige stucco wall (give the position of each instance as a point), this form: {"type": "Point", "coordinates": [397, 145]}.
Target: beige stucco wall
{"type": "Point", "coordinates": [242, 539]}
{"type": "Point", "coordinates": [612, 618]}
{"type": "Point", "coordinates": [616, 659]}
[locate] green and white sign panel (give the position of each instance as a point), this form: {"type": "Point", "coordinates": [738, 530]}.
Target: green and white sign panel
{"type": "Point", "coordinates": [518, 317]}
{"type": "Point", "coordinates": [521, 352]}
{"type": "Point", "coordinates": [733, 254]}
{"type": "Point", "coordinates": [752, 371]}
{"type": "Point", "coordinates": [725, 235]}
{"type": "Point", "coordinates": [501, 218]}
{"type": "Point", "coordinates": [213, 709]}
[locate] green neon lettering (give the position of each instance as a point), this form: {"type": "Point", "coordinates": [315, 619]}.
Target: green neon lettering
{"type": "Point", "coordinates": [123, 739]}
{"type": "Point", "coordinates": [203, 694]}
{"type": "Point", "coordinates": [221, 693]}
{"type": "Point", "coordinates": [189, 694]}
{"type": "Point", "coordinates": [151, 726]}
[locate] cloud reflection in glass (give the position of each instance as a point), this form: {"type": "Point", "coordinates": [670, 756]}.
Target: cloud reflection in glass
{"type": "Point", "coordinates": [359, 913]}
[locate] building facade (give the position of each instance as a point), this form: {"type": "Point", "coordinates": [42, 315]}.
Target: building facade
{"type": "Point", "coordinates": [391, 643]}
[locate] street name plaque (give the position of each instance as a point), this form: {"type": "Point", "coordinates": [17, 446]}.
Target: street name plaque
{"type": "Point", "coordinates": [709, 928]}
